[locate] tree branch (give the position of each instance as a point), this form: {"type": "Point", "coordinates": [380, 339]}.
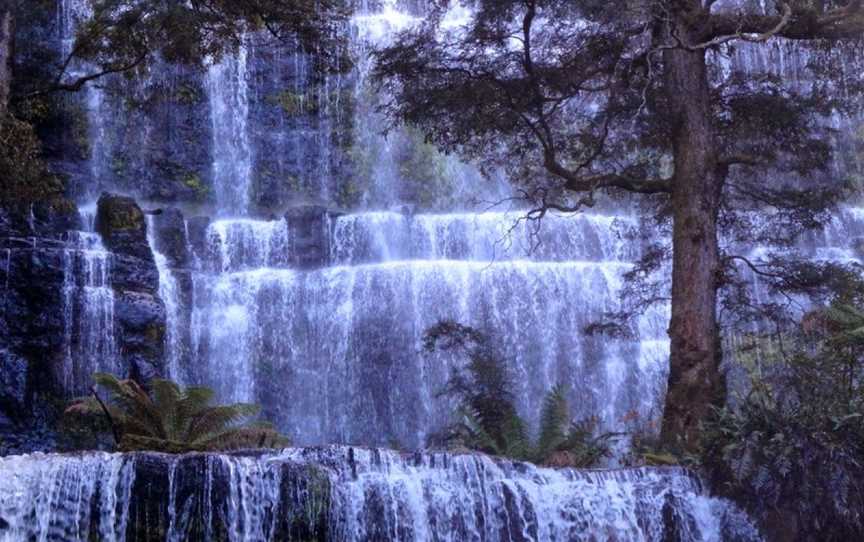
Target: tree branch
{"type": "Point", "coordinates": [802, 24]}
{"type": "Point", "coordinates": [79, 83]}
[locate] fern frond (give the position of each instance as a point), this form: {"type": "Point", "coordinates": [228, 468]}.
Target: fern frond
{"type": "Point", "coordinates": [212, 420]}
{"type": "Point", "coordinates": [554, 420]}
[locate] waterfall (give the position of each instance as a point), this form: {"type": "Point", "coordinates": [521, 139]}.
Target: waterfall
{"type": "Point", "coordinates": [89, 336]}
{"type": "Point", "coordinates": [319, 317]}
{"type": "Point", "coordinates": [332, 353]}
{"type": "Point", "coordinates": [70, 14]}
{"type": "Point", "coordinates": [228, 90]}
{"type": "Point", "coordinates": [345, 494]}
{"type": "Point", "coordinates": [169, 292]}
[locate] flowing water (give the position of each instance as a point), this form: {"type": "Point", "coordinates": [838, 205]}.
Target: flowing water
{"type": "Point", "coordinates": [345, 494]}
{"type": "Point", "coordinates": [333, 353]}
{"type": "Point", "coordinates": [89, 337]}
{"type": "Point", "coordinates": [228, 92]}
{"type": "Point", "coordinates": [320, 320]}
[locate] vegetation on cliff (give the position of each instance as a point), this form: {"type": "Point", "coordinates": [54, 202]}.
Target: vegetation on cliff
{"type": "Point", "coordinates": [167, 418]}
{"type": "Point", "coordinates": [793, 447]}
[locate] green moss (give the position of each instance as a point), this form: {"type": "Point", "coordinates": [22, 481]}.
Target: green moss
{"type": "Point", "coordinates": [423, 166]}
{"type": "Point", "coordinates": [350, 193]}
{"type": "Point", "coordinates": [155, 333]}
{"type": "Point", "coordinates": [193, 180]}
{"type": "Point", "coordinates": [293, 104]}
{"type": "Point", "coordinates": [124, 218]}
{"type": "Point", "coordinates": [79, 126]}
{"type": "Point", "coordinates": [24, 179]}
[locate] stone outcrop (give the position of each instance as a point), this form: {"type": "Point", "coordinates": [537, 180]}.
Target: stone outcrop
{"type": "Point", "coordinates": [309, 236]}
{"type": "Point", "coordinates": [170, 236]}
{"type": "Point", "coordinates": [139, 312]}
{"type": "Point", "coordinates": [32, 248]}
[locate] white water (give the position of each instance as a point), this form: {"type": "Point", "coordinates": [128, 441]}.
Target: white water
{"type": "Point", "coordinates": [228, 91]}
{"type": "Point", "coordinates": [333, 353]}
{"type": "Point", "coordinates": [89, 337]}
{"type": "Point", "coordinates": [169, 292]}
{"type": "Point", "coordinates": [374, 495]}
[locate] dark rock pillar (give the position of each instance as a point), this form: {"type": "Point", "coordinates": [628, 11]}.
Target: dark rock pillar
{"type": "Point", "coordinates": [309, 235]}
{"type": "Point", "coordinates": [139, 312]}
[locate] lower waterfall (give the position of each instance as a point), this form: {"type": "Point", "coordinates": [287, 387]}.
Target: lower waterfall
{"type": "Point", "coordinates": [344, 494]}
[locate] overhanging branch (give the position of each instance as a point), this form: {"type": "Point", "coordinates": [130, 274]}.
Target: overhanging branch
{"type": "Point", "coordinates": [801, 24]}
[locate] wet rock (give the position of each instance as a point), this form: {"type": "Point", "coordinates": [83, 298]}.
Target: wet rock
{"type": "Point", "coordinates": [133, 273]}
{"type": "Point", "coordinates": [139, 313]}
{"type": "Point", "coordinates": [123, 226]}
{"type": "Point", "coordinates": [309, 236]}
{"type": "Point", "coordinates": [197, 235]}
{"type": "Point", "coordinates": [170, 236]}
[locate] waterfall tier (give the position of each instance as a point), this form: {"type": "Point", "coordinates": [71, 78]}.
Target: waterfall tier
{"type": "Point", "coordinates": [321, 320]}
{"type": "Point", "coordinates": [349, 494]}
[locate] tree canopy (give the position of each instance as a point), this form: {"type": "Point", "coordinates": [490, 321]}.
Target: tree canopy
{"type": "Point", "coordinates": [117, 36]}
{"type": "Point", "coordinates": [582, 99]}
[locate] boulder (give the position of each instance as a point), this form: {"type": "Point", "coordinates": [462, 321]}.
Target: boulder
{"type": "Point", "coordinates": [123, 226]}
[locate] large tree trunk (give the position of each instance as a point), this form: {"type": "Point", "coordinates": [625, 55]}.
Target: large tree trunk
{"type": "Point", "coordinates": [695, 382]}
{"type": "Point", "coordinates": [7, 28]}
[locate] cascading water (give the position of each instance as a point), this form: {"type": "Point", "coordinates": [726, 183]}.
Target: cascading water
{"type": "Point", "coordinates": [70, 14]}
{"type": "Point", "coordinates": [88, 311]}
{"type": "Point", "coordinates": [319, 319]}
{"type": "Point", "coordinates": [345, 494]}
{"type": "Point", "coordinates": [333, 353]}
{"type": "Point", "coordinates": [169, 292]}
{"type": "Point", "coordinates": [228, 91]}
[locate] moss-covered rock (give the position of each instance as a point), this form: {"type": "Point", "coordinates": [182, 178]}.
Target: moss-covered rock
{"type": "Point", "coordinates": [123, 226]}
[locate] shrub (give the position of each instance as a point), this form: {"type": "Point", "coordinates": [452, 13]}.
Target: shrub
{"type": "Point", "coordinates": [795, 444]}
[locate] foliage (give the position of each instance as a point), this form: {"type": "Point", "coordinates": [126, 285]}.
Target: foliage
{"type": "Point", "coordinates": [795, 443]}
{"type": "Point", "coordinates": [578, 100]}
{"type": "Point", "coordinates": [486, 417]}
{"type": "Point", "coordinates": [170, 419]}
{"type": "Point", "coordinates": [24, 179]}
{"type": "Point", "coordinates": [122, 36]}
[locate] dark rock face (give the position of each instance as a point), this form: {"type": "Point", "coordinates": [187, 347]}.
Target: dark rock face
{"type": "Point", "coordinates": [48, 348]}
{"type": "Point", "coordinates": [31, 322]}
{"type": "Point", "coordinates": [123, 227]}
{"type": "Point", "coordinates": [170, 236]}
{"type": "Point", "coordinates": [139, 312]}
{"type": "Point", "coordinates": [309, 236]}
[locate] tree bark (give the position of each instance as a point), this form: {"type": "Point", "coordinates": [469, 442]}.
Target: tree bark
{"type": "Point", "coordinates": [695, 382]}
{"type": "Point", "coordinates": [7, 29]}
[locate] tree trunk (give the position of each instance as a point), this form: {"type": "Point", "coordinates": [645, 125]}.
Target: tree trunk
{"type": "Point", "coordinates": [7, 28]}
{"type": "Point", "coordinates": [695, 382]}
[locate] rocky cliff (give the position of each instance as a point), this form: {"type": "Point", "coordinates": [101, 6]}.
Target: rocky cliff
{"type": "Point", "coordinates": [73, 301]}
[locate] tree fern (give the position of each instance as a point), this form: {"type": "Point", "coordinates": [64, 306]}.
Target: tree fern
{"type": "Point", "coordinates": [173, 420]}
{"type": "Point", "coordinates": [487, 419]}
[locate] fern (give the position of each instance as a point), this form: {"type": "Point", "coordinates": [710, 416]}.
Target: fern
{"type": "Point", "coordinates": [173, 420]}
{"type": "Point", "coordinates": [554, 421]}
{"type": "Point", "coordinates": [487, 420]}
